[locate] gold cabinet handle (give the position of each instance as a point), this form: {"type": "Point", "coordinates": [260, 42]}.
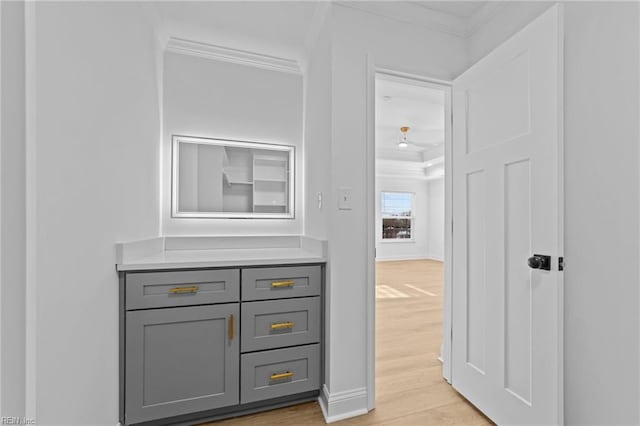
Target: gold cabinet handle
{"type": "Point", "coordinates": [281, 325]}
{"type": "Point", "coordinates": [179, 290]}
{"type": "Point", "coordinates": [231, 331]}
{"type": "Point", "coordinates": [277, 284]}
{"type": "Point", "coordinates": [279, 376]}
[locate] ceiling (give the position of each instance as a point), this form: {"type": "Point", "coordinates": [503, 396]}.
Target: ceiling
{"type": "Point", "coordinates": [460, 9]}
{"type": "Point", "coordinates": [420, 107]}
{"type": "Point", "coordinates": [399, 104]}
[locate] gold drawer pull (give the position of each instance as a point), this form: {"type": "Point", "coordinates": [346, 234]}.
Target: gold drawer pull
{"type": "Point", "coordinates": [179, 290]}
{"type": "Point", "coordinates": [281, 325]}
{"type": "Point", "coordinates": [279, 376]}
{"type": "Point", "coordinates": [277, 284]}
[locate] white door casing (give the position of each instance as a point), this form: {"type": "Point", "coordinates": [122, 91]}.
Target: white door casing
{"type": "Point", "coordinates": [507, 205]}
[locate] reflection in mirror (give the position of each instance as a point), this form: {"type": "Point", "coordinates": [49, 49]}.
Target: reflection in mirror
{"type": "Point", "coordinates": [231, 179]}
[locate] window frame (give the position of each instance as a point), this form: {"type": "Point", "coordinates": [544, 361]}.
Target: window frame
{"type": "Point", "coordinates": [411, 218]}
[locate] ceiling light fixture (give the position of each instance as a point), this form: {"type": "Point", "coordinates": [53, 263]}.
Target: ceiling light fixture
{"type": "Point", "coordinates": [403, 140]}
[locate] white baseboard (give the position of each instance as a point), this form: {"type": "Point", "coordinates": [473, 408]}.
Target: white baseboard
{"type": "Point", "coordinates": [342, 405]}
{"type": "Point", "coordinates": [438, 257]}
{"type": "Point", "coordinates": [398, 258]}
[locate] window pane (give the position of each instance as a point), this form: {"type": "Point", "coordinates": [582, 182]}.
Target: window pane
{"type": "Point", "coordinates": [396, 203]}
{"type": "Point", "coordinates": [396, 228]}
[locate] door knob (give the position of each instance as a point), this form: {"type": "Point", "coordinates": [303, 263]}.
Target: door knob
{"type": "Point", "coordinates": [540, 261]}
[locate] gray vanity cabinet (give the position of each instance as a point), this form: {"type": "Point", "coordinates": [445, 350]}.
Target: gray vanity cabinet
{"type": "Point", "coordinates": [181, 360]}
{"type": "Point", "coordinates": [201, 344]}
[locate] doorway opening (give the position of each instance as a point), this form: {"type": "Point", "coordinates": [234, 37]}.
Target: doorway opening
{"type": "Point", "coordinates": [412, 136]}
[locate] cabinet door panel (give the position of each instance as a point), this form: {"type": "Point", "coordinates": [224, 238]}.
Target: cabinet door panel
{"type": "Point", "coordinates": [181, 360]}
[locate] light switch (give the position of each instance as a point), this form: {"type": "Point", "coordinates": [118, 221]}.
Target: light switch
{"type": "Point", "coordinates": [345, 201]}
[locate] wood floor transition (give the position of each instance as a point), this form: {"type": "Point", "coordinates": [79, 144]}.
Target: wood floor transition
{"type": "Point", "coordinates": [409, 384]}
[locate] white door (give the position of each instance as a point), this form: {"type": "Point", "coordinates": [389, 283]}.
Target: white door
{"type": "Point", "coordinates": [507, 206]}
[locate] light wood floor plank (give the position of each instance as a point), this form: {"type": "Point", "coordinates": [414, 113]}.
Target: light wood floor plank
{"type": "Point", "coordinates": [409, 384]}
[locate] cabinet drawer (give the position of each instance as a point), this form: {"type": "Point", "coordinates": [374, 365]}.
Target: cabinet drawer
{"type": "Point", "coordinates": [180, 288]}
{"type": "Point", "coordinates": [277, 323]}
{"type": "Point", "coordinates": [279, 372]}
{"type": "Point", "coordinates": [277, 283]}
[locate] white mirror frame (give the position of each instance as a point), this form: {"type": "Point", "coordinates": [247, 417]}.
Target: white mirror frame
{"type": "Point", "coordinates": [175, 160]}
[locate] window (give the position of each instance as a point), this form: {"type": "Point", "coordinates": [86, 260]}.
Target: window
{"type": "Point", "coordinates": [397, 215]}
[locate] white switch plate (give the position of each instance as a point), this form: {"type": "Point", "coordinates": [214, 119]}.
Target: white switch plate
{"type": "Point", "coordinates": [345, 201]}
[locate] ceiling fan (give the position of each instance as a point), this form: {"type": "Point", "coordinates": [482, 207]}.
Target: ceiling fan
{"type": "Point", "coordinates": [403, 143]}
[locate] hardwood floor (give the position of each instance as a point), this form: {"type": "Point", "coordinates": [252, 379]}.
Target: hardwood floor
{"type": "Point", "coordinates": [409, 384]}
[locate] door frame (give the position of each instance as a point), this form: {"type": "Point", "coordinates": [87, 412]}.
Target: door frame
{"type": "Point", "coordinates": [446, 85]}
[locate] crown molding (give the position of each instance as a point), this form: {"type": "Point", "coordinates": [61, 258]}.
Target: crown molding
{"type": "Point", "coordinates": [236, 56]}
{"type": "Point", "coordinates": [403, 169]}
{"type": "Point", "coordinates": [396, 154]}
{"type": "Point", "coordinates": [399, 167]}
{"type": "Point", "coordinates": [421, 15]}
{"type": "Point", "coordinates": [411, 13]}
{"type": "Point", "coordinates": [400, 176]}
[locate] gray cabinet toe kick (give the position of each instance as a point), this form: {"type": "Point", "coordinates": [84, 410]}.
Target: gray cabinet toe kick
{"type": "Point", "coordinates": [205, 344]}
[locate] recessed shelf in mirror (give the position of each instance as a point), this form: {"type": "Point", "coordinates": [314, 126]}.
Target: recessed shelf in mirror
{"type": "Point", "coordinates": [215, 178]}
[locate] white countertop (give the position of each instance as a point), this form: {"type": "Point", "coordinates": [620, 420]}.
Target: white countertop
{"type": "Point", "coordinates": [155, 255]}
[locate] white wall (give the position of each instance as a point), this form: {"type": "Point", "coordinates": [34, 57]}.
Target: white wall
{"type": "Point", "coordinates": [12, 226]}
{"type": "Point", "coordinates": [317, 144]}
{"type": "Point", "coordinates": [96, 133]}
{"type": "Point", "coordinates": [408, 249]}
{"type": "Point", "coordinates": [601, 324]}
{"type": "Point", "coordinates": [601, 213]}
{"type": "Point", "coordinates": [512, 16]}
{"type": "Point", "coordinates": [222, 100]}
{"type": "Point", "coordinates": [317, 134]}
{"type": "Point", "coordinates": [435, 216]}
{"type": "Point", "coordinates": [357, 38]}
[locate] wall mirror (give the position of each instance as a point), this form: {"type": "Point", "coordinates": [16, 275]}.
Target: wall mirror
{"type": "Point", "coordinates": [214, 178]}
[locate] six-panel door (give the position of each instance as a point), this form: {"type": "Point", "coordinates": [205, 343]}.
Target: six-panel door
{"type": "Point", "coordinates": [181, 360]}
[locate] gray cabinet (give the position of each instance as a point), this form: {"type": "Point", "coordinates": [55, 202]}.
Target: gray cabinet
{"type": "Point", "coordinates": [181, 360]}
{"type": "Point", "coordinates": [204, 344]}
